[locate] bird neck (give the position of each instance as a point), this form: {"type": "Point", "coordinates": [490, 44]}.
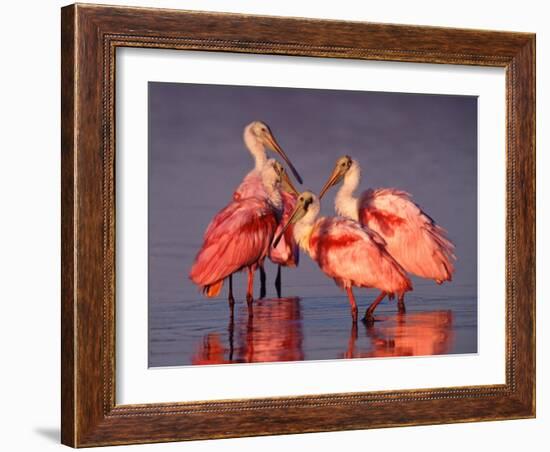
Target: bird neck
{"type": "Point", "coordinates": [303, 230]}
{"type": "Point", "coordinates": [302, 234]}
{"type": "Point", "coordinates": [274, 195]}
{"type": "Point", "coordinates": [345, 203]}
{"type": "Point", "coordinates": [271, 184]}
{"type": "Point", "coordinates": [256, 148]}
{"type": "Point", "coordinates": [260, 157]}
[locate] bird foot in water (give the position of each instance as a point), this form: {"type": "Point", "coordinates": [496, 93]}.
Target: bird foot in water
{"type": "Point", "coordinates": [369, 319]}
{"type": "Point", "coordinates": [401, 307]}
{"type": "Point", "coordinates": [231, 303]}
{"type": "Point", "coordinates": [354, 315]}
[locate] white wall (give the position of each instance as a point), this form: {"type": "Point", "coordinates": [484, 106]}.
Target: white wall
{"type": "Point", "coordinates": [29, 225]}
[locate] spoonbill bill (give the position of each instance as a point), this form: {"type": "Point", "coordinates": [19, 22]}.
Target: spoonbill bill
{"type": "Point", "coordinates": [347, 252]}
{"type": "Point", "coordinates": [257, 137]}
{"type": "Point", "coordinates": [239, 236]}
{"type": "Point", "coordinates": [412, 237]}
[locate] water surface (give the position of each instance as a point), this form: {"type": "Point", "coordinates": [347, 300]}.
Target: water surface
{"type": "Point", "coordinates": [310, 328]}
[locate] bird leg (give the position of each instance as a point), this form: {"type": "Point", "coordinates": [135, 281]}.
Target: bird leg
{"type": "Point", "coordinates": [401, 303]}
{"type": "Point", "coordinates": [249, 290]}
{"type": "Point", "coordinates": [278, 282]}
{"type": "Point", "coordinates": [231, 330]}
{"type": "Point", "coordinates": [262, 282]}
{"type": "Point", "coordinates": [230, 298]}
{"type": "Point", "coordinates": [352, 303]}
{"type": "Point", "coordinates": [369, 317]}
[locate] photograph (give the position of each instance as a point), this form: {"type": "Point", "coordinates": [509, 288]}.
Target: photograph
{"type": "Point", "coordinates": [293, 224]}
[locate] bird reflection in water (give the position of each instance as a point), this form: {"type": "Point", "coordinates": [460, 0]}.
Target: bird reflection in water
{"type": "Point", "coordinates": [411, 334]}
{"type": "Point", "coordinates": [273, 334]}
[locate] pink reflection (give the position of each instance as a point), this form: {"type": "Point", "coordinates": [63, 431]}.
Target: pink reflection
{"type": "Point", "coordinates": [274, 333]}
{"type": "Point", "coordinates": [411, 334]}
{"type": "Point", "coordinates": [211, 351]}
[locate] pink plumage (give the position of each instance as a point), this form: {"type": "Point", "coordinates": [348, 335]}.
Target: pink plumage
{"type": "Point", "coordinates": [251, 185]}
{"type": "Point", "coordinates": [238, 237]}
{"type": "Point", "coordinates": [355, 256]}
{"type": "Point", "coordinates": [286, 252]}
{"type": "Point", "coordinates": [415, 241]}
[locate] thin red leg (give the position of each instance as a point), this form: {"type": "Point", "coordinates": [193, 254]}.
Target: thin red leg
{"type": "Point", "coordinates": [369, 317]}
{"type": "Point", "coordinates": [250, 289]}
{"type": "Point", "coordinates": [352, 303]}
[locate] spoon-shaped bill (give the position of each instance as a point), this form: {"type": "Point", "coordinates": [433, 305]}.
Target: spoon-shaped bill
{"type": "Point", "coordinates": [333, 179]}
{"type": "Point", "coordinates": [272, 142]}
{"type": "Point", "coordinates": [287, 185]}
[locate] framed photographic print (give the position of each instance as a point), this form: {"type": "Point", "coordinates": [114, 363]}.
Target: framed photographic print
{"type": "Point", "coordinates": [279, 225]}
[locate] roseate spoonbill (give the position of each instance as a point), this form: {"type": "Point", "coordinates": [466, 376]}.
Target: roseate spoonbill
{"type": "Point", "coordinates": [257, 136]}
{"type": "Point", "coordinates": [239, 237]}
{"type": "Point", "coordinates": [347, 252]}
{"type": "Point", "coordinates": [412, 237]}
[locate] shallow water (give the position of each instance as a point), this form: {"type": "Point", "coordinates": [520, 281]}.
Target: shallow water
{"type": "Point", "coordinates": [202, 332]}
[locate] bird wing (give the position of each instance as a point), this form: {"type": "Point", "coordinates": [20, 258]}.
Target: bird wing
{"type": "Point", "coordinates": [412, 236]}
{"type": "Point", "coordinates": [354, 255]}
{"type": "Point", "coordinates": [250, 187]}
{"type": "Point", "coordinates": [237, 237]}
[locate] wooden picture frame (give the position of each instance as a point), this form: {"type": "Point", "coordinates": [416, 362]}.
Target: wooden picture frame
{"type": "Point", "coordinates": [90, 36]}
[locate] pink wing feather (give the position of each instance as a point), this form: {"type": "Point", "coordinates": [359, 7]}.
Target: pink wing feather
{"type": "Point", "coordinates": [413, 238]}
{"type": "Point", "coordinates": [251, 186]}
{"type": "Point", "coordinates": [287, 252]}
{"type": "Point", "coordinates": [354, 255]}
{"type": "Point", "coordinates": [239, 236]}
